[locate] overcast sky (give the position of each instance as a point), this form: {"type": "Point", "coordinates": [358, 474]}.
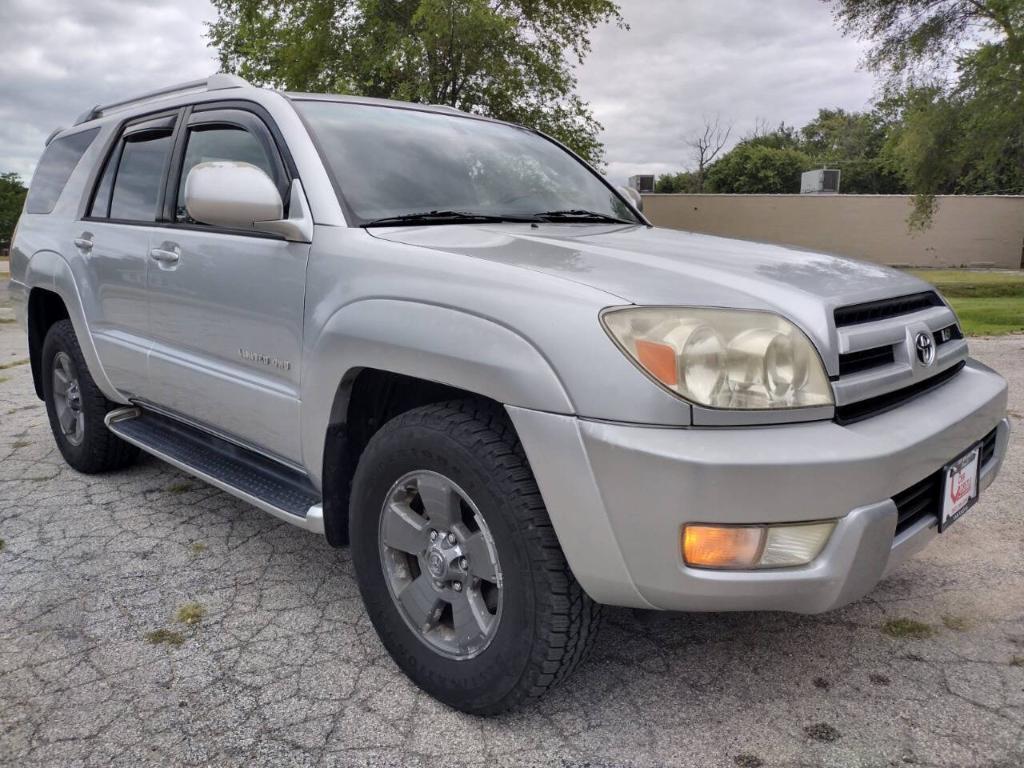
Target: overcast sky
{"type": "Point", "coordinates": [650, 86]}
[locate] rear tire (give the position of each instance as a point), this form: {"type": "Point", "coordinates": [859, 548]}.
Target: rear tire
{"type": "Point", "coordinates": [76, 407]}
{"type": "Point", "coordinates": [538, 623]}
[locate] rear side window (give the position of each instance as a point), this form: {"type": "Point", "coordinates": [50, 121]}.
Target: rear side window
{"type": "Point", "coordinates": [139, 178]}
{"type": "Point", "coordinates": [54, 170]}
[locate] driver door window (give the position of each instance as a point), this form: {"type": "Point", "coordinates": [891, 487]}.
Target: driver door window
{"type": "Point", "coordinates": [221, 142]}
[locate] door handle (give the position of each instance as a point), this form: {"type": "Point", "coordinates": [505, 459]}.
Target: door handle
{"type": "Point", "coordinates": [164, 256]}
{"type": "Point", "coordinates": [84, 243]}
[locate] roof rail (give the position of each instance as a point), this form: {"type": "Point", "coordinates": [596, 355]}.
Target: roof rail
{"type": "Point", "coordinates": [218, 82]}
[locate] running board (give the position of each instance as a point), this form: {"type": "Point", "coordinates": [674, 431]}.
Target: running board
{"type": "Point", "coordinates": [283, 492]}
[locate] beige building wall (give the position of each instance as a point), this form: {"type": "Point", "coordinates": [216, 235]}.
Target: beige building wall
{"type": "Point", "coordinates": [966, 231]}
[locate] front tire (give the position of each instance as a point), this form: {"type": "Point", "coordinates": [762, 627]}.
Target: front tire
{"type": "Point", "coordinates": [458, 564]}
{"type": "Point", "coordinates": [76, 407]}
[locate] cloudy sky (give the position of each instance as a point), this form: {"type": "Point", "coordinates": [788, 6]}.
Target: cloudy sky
{"type": "Point", "coordinates": [651, 86]}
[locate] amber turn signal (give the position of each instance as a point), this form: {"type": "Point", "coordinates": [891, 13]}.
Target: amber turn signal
{"type": "Point", "coordinates": [706, 546]}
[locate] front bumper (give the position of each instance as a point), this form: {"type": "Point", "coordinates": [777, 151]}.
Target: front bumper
{"type": "Point", "coordinates": [619, 494]}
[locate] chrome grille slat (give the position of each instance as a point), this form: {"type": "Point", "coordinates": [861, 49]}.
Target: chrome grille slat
{"type": "Point", "coordinates": [877, 359]}
{"type": "Point", "coordinates": [892, 330]}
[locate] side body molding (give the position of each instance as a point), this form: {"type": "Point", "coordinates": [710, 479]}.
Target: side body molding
{"type": "Point", "coordinates": [48, 270]}
{"type": "Point", "coordinates": [428, 341]}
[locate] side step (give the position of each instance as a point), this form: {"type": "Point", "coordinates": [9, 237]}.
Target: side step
{"type": "Point", "coordinates": [283, 492]}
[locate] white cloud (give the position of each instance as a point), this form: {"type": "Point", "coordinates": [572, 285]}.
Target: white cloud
{"type": "Point", "coordinates": [649, 86]}
{"type": "Point", "coordinates": [652, 85]}
{"type": "Point", "coordinates": [62, 57]}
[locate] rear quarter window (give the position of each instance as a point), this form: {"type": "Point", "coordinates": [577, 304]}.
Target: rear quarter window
{"type": "Point", "coordinates": [55, 166]}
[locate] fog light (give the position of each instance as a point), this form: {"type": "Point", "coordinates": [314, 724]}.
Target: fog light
{"type": "Point", "coordinates": [740, 547]}
{"type": "Point", "coordinates": [789, 545]}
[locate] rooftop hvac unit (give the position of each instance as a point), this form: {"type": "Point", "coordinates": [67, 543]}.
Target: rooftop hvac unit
{"type": "Point", "coordinates": [820, 182]}
{"type": "Point", "coordinates": [642, 183]}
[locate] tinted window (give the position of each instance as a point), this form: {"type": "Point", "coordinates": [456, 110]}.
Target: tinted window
{"type": "Point", "coordinates": [101, 201]}
{"type": "Point", "coordinates": [139, 174]}
{"type": "Point", "coordinates": [394, 162]}
{"type": "Point", "coordinates": [221, 143]}
{"type": "Point", "coordinates": [54, 170]}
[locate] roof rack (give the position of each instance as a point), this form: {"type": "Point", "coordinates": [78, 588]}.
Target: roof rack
{"type": "Point", "coordinates": [218, 82]}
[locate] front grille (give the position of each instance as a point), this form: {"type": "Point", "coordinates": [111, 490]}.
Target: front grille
{"type": "Point", "coordinates": [923, 499]}
{"type": "Point", "coordinates": [988, 447]}
{"type": "Point", "coordinates": [948, 334]}
{"type": "Point", "coordinates": [865, 360]}
{"type": "Point", "coordinates": [918, 501]}
{"type": "Point", "coordinates": [879, 364]}
{"type": "Point", "coordinates": [870, 311]}
{"type": "Point", "coordinates": [863, 409]}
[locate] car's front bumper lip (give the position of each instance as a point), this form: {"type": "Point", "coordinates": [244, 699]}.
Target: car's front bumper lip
{"type": "Point", "coordinates": [619, 494]}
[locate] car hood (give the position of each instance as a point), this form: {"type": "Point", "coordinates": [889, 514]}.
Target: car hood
{"type": "Point", "coordinates": [645, 265]}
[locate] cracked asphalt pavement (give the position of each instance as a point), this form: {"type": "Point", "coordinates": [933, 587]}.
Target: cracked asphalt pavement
{"type": "Point", "coordinates": [148, 619]}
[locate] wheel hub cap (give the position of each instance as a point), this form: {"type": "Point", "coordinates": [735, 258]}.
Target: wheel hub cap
{"type": "Point", "coordinates": [440, 564]}
{"type": "Point", "coordinates": [67, 399]}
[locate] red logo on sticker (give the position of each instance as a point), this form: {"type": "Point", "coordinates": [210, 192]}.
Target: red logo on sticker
{"type": "Point", "coordinates": [961, 488]}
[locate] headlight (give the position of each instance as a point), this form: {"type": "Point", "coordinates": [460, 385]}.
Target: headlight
{"type": "Point", "coordinates": [723, 358]}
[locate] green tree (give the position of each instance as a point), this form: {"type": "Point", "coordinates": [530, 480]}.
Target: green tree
{"type": "Point", "coordinates": [12, 200]}
{"type": "Point", "coordinates": [753, 168]}
{"type": "Point", "coordinates": [854, 142]}
{"type": "Point", "coordinates": [509, 59]}
{"type": "Point", "coordinates": [954, 91]}
{"type": "Point", "coordinates": [684, 181]}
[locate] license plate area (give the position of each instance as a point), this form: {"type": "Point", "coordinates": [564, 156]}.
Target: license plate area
{"type": "Point", "coordinates": [960, 486]}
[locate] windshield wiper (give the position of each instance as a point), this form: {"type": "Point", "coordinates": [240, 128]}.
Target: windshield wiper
{"type": "Point", "coordinates": [580, 214]}
{"type": "Point", "coordinates": [446, 217]}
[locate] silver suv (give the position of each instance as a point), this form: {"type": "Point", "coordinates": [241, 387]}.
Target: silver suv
{"type": "Point", "coordinates": [448, 341]}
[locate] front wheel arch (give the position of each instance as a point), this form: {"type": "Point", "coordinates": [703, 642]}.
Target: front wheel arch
{"type": "Point", "coordinates": [368, 398]}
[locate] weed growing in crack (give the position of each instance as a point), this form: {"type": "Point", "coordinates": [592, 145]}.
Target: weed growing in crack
{"type": "Point", "coordinates": [196, 548]}
{"type": "Point", "coordinates": [822, 732]}
{"type": "Point", "coordinates": [179, 487]}
{"type": "Point", "coordinates": [747, 760]}
{"type": "Point", "coordinates": [162, 636]}
{"type": "Point", "coordinates": [190, 613]}
{"type": "Point", "coordinates": [956, 623]}
{"type": "Point", "coordinates": [909, 629]}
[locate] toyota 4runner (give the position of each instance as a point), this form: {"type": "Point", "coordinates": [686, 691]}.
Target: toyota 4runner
{"type": "Point", "coordinates": [449, 342]}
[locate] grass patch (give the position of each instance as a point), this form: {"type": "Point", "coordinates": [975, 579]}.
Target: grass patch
{"type": "Point", "coordinates": [190, 613]}
{"type": "Point", "coordinates": [164, 636]}
{"type": "Point", "coordinates": [3, 545]}
{"type": "Point", "coordinates": [907, 628]}
{"type": "Point", "coordinates": [956, 623]}
{"type": "Point", "coordinates": [6, 320]}
{"type": "Point", "coordinates": [179, 487]}
{"type": "Point", "coordinates": [990, 317]}
{"type": "Point", "coordinates": [12, 364]}
{"type": "Point", "coordinates": [988, 302]}
{"type": "Point", "coordinates": [196, 548]}
{"type": "Point", "coordinates": [3, 379]}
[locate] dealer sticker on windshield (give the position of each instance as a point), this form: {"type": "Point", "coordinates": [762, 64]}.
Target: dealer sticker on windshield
{"type": "Point", "coordinates": [960, 489]}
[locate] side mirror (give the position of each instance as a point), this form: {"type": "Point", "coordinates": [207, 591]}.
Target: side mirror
{"type": "Point", "coordinates": [233, 195]}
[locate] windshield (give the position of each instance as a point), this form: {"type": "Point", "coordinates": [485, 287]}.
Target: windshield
{"type": "Point", "coordinates": [401, 164]}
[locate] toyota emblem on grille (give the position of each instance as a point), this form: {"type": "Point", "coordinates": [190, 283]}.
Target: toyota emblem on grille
{"type": "Point", "coordinates": [925, 345]}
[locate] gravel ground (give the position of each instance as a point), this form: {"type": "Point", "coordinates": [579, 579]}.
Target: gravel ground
{"type": "Point", "coordinates": [280, 665]}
